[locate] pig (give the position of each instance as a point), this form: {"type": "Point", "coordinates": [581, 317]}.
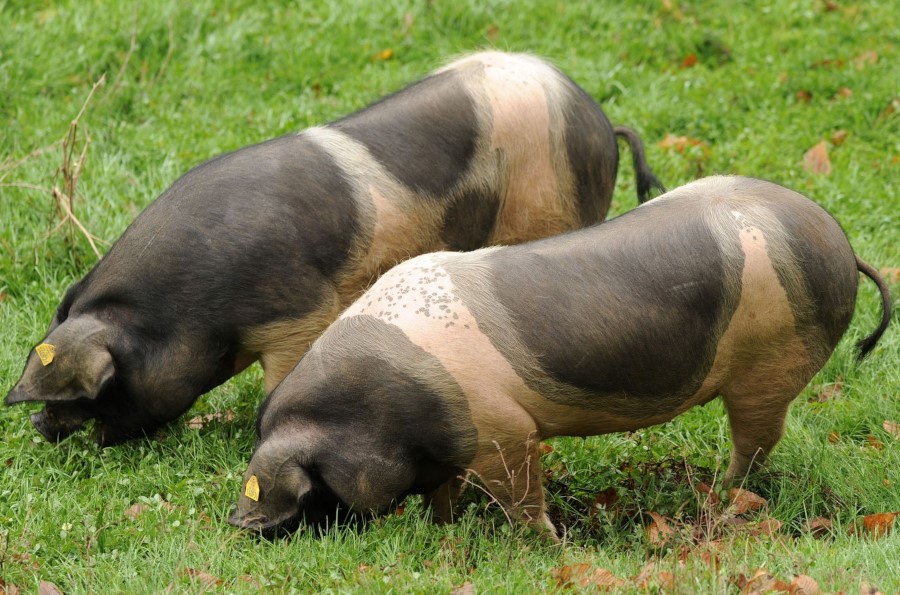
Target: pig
{"type": "Point", "coordinates": [249, 256]}
{"type": "Point", "coordinates": [460, 363]}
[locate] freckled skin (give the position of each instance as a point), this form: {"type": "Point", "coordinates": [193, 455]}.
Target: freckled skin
{"type": "Point", "coordinates": [698, 294]}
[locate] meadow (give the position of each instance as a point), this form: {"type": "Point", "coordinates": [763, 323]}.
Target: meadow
{"type": "Point", "coordinates": [802, 92]}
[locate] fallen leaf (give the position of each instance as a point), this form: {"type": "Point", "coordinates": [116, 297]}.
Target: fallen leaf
{"type": "Point", "coordinates": [8, 588]}
{"type": "Point", "coordinates": [3, 296]}
{"type": "Point", "coordinates": [831, 6]}
{"type": "Point", "coordinates": [571, 574]}
{"type": "Point", "coordinates": [818, 527]}
{"type": "Point", "coordinates": [201, 421]}
{"type": "Point", "coordinates": [135, 510]}
{"type": "Point", "coordinates": [384, 55]}
{"type": "Point", "coordinates": [803, 96]}
{"type": "Point", "coordinates": [868, 58]}
{"type": "Point", "coordinates": [873, 442]}
{"type": "Point", "coordinates": [205, 578]}
{"type": "Point", "coordinates": [546, 448]}
{"type": "Point", "coordinates": [838, 137]}
{"type": "Point", "coordinates": [827, 63]}
{"type": "Point", "coordinates": [765, 527]}
{"type": "Point", "coordinates": [834, 437]}
{"type": "Point", "coordinates": [783, 77]}
{"type": "Point", "coordinates": [689, 61]}
{"type": "Point", "coordinates": [399, 510]}
{"type": "Point", "coordinates": [711, 496]}
{"type": "Point", "coordinates": [830, 392]}
{"type": "Point", "coordinates": [744, 501]}
{"type": "Point", "coordinates": [892, 428]}
{"type": "Point", "coordinates": [666, 580]}
{"type": "Point", "coordinates": [893, 106]}
{"type": "Point", "coordinates": [844, 93]}
{"type": "Point", "coordinates": [605, 499]}
{"type": "Point", "coordinates": [48, 588]}
{"type": "Point", "coordinates": [493, 32]}
{"type": "Point", "coordinates": [804, 585]}
{"type": "Point", "coordinates": [466, 588]}
{"type": "Point", "coordinates": [642, 580]}
{"type": "Point", "coordinates": [891, 274]}
{"type": "Point", "coordinates": [816, 160]}
{"type": "Point", "coordinates": [602, 577]}
{"type": "Point", "coordinates": [879, 524]}
{"type": "Point", "coordinates": [682, 143]}
{"type": "Point", "coordinates": [658, 531]}
{"type": "Point", "coordinates": [760, 582]}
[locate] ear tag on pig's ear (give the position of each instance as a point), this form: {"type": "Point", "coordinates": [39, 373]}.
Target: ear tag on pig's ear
{"type": "Point", "coordinates": [46, 351]}
{"type": "Point", "coordinates": [252, 489]}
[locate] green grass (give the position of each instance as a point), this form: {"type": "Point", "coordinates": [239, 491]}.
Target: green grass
{"type": "Point", "coordinates": [767, 86]}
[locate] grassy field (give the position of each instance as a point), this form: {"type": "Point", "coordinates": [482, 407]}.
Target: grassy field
{"type": "Point", "coordinates": [713, 87]}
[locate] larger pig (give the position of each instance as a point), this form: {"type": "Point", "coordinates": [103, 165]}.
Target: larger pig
{"type": "Point", "coordinates": [728, 286]}
{"type": "Point", "coordinates": [251, 255]}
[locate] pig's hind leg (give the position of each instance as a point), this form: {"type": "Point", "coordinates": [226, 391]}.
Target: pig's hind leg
{"type": "Point", "coordinates": [757, 407]}
{"type": "Point", "coordinates": [443, 500]}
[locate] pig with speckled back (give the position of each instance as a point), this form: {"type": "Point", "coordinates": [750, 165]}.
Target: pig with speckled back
{"type": "Point", "coordinates": [462, 362]}
{"type": "Point", "coordinates": [251, 255]}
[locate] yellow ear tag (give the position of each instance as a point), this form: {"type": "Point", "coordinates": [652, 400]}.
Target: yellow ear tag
{"type": "Point", "coordinates": [252, 489]}
{"type": "Point", "coordinates": [46, 351]}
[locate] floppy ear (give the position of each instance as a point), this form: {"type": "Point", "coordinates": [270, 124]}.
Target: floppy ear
{"type": "Point", "coordinates": [272, 495]}
{"type": "Point", "coordinates": [73, 362]}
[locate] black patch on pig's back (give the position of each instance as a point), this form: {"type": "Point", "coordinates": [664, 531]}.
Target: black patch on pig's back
{"type": "Point", "coordinates": [632, 307]}
{"type": "Point", "coordinates": [424, 135]}
{"type": "Point", "coordinates": [593, 154]}
{"type": "Point", "coordinates": [469, 220]}
{"type": "Point", "coordinates": [820, 252]}
{"type": "Point", "coordinates": [247, 238]}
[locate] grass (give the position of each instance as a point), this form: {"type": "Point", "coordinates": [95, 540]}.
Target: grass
{"type": "Point", "coordinates": [771, 80]}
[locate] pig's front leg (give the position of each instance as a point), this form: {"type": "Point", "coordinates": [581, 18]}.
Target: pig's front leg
{"type": "Point", "coordinates": [442, 501]}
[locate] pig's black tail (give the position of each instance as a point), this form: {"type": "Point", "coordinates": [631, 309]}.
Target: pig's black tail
{"type": "Point", "coordinates": [866, 345]}
{"type": "Point", "coordinates": [646, 181]}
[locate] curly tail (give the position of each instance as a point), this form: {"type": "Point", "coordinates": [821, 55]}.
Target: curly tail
{"type": "Point", "coordinates": [645, 178]}
{"type": "Point", "coordinates": [866, 345]}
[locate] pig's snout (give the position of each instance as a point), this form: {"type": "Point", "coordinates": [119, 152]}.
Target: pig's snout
{"type": "Point", "coordinates": [56, 423]}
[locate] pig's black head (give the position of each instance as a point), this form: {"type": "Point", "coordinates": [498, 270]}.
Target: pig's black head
{"type": "Point", "coordinates": [85, 369]}
{"type": "Point", "coordinates": [279, 493]}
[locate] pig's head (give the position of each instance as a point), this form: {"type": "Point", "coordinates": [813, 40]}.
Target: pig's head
{"type": "Point", "coordinates": [88, 368]}
{"type": "Point", "coordinates": [281, 490]}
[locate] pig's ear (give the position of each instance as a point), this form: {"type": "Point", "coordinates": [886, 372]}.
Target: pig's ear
{"type": "Point", "coordinates": [270, 502]}
{"type": "Point", "coordinates": [72, 363]}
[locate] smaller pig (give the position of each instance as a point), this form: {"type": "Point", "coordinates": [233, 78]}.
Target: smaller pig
{"type": "Point", "coordinates": [462, 362]}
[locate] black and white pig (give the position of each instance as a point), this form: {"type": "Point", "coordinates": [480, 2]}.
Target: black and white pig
{"type": "Point", "coordinates": [251, 255]}
{"type": "Point", "coordinates": [462, 362]}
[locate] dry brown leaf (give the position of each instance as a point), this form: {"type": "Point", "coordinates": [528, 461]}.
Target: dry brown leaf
{"type": "Point", "coordinates": [384, 55]}
{"type": "Point", "coordinates": [642, 580]}
{"type": "Point", "coordinates": [602, 577]}
{"type": "Point", "coordinates": [830, 392]}
{"type": "Point", "coordinates": [658, 531]}
{"type": "Point", "coordinates": [689, 61]}
{"type": "Point", "coordinates": [571, 574]}
{"type": "Point", "coordinates": [803, 96]}
{"type": "Point", "coordinates": [891, 274]}
{"type": "Point", "coordinates": [605, 499]}
{"type": "Point", "coordinates": [48, 588]}
{"type": "Point", "coordinates": [135, 510]}
{"type": "Point", "coordinates": [818, 527]}
{"type": "Point", "coordinates": [879, 524]}
{"type": "Point", "coordinates": [681, 143]}
{"type": "Point", "coordinates": [892, 428]}
{"type": "Point", "coordinates": [760, 582]}
{"type": "Point", "coordinates": [711, 496]}
{"type": "Point", "coordinates": [466, 588]}
{"type": "Point", "coordinates": [844, 93]}
{"type": "Point", "coordinates": [205, 578]}
{"type": "Point", "coordinates": [666, 580]}
{"type": "Point", "coordinates": [804, 585]}
{"type": "Point", "coordinates": [493, 32]}
{"type": "Point", "coordinates": [873, 442]}
{"type": "Point", "coordinates": [400, 510]}
{"type": "Point", "coordinates": [546, 448]}
{"type": "Point", "coordinates": [868, 58]}
{"type": "Point", "coordinates": [8, 588]}
{"type": "Point", "coordinates": [838, 137]}
{"type": "Point", "coordinates": [201, 421]}
{"type": "Point", "coordinates": [744, 500]}
{"type": "Point", "coordinates": [816, 160]}
{"type": "Point", "coordinates": [831, 6]}
{"type": "Point", "coordinates": [766, 527]}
